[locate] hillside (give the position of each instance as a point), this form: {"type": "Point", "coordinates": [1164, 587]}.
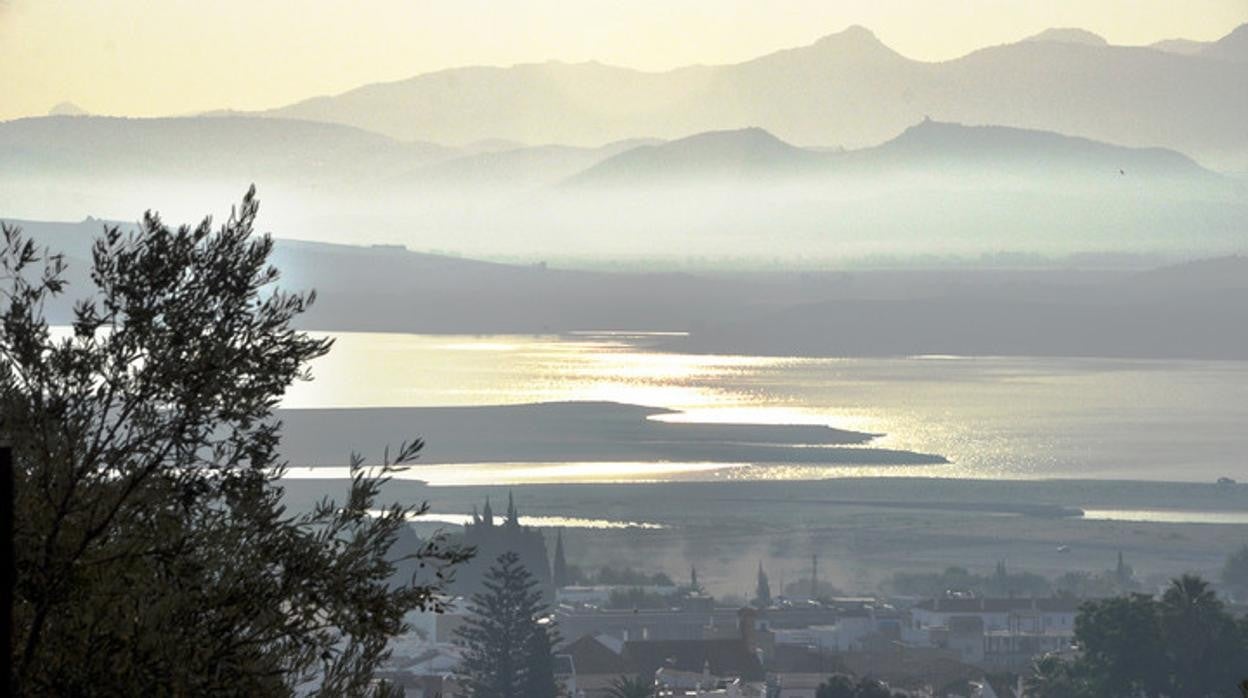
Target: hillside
{"type": "Point", "coordinates": [862, 313]}
{"type": "Point", "coordinates": [756, 158]}
{"type": "Point", "coordinates": [748, 156]}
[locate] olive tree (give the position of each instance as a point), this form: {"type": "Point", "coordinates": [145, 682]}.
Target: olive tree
{"type": "Point", "coordinates": [154, 555]}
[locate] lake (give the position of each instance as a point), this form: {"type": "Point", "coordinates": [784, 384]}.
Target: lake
{"type": "Point", "coordinates": [991, 417]}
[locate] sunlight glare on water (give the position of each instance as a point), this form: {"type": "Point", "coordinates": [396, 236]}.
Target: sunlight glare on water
{"type": "Point", "coordinates": [994, 417]}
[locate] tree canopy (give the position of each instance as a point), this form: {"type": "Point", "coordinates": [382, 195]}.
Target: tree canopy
{"type": "Point", "coordinates": [507, 639]}
{"type": "Point", "coordinates": [1135, 646]}
{"type": "Point", "coordinates": [154, 555]}
{"type": "Point", "coordinates": [1235, 572]}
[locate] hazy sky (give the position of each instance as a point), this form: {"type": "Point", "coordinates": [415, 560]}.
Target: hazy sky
{"type": "Point", "coordinates": [155, 57]}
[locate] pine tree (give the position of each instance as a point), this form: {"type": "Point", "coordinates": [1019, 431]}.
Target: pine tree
{"type": "Point", "coordinates": [508, 649]}
{"type": "Point", "coordinates": [540, 681]}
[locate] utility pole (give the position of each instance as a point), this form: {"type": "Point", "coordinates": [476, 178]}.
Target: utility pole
{"type": "Point", "coordinates": [8, 560]}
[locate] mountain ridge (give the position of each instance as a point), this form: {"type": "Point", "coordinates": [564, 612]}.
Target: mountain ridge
{"type": "Point", "coordinates": [846, 89]}
{"type": "Point", "coordinates": [754, 151]}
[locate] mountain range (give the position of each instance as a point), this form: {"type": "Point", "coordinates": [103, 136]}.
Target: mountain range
{"type": "Point", "coordinates": [935, 186]}
{"type": "Point", "coordinates": [1057, 144]}
{"type": "Point", "coordinates": [847, 90]}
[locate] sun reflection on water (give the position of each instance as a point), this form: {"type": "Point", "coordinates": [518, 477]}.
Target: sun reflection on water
{"type": "Point", "coordinates": [994, 417]}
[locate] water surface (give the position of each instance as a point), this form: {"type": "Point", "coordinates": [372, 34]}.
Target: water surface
{"type": "Point", "coordinates": [993, 417]}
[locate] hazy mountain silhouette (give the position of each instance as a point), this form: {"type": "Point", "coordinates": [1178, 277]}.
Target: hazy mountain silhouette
{"type": "Point", "coordinates": [748, 155]}
{"type": "Point", "coordinates": [514, 167]}
{"type": "Point", "coordinates": [67, 109]}
{"type": "Point", "coordinates": [846, 89]}
{"type": "Point", "coordinates": [1232, 47]}
{"type": "Point", "coordinates": [940, 144]}
{"type": "Point", "coordinates": [755, 157]}
{"type": "Point", "coordinates": [220, 145]}
{"type": "Point", "coordinates": [960, 189]}
{"type": "Point", "coordinates": [67, 167]}
{"type": "Point", "coordinates": [1069, 35]}
{"type": "Point", "coordinates": [1183, 47]}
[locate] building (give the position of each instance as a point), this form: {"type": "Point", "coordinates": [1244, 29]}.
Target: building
{"type": "Point", "coordinates": [998, 614]}
{"type": "Point", "coordinates": [997, 634]}
{"type": "Point", "coordinates": [492, 538]}
{"type": "Point", "coordinates": [647, 624]}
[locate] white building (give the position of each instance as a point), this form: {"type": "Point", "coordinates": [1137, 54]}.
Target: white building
{"type": "Point", "coordinates": [1032, 615]}
{"type": "Point", "coordinates": [994, 633]}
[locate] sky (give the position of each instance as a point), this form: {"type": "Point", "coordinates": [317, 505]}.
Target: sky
{"type": "Point", "coordinates": [169, 57]}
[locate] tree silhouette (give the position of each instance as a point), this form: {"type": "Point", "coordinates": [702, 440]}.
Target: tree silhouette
{"type": "Point", "coordinates": [1123, 651]}
{"type": "Point", "coordinates": [630, 687]}
{"type": "Point", "coordinates": [841, 686]}
{"type": "Point", "coordinates": [1235, 572]}
{"type": "Point", "coordinates": [507, 647]}
{"type": "Point", "coordinates": [153, 552]}
{"type": "Point", "coordinates": [1205, 653]}
{"type": "Point", "coordinates": [1134, 646]}
{"type": "Point", "coordinates": [1052, 678]}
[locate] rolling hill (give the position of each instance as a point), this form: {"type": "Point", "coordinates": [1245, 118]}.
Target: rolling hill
{"type": "Point", "coordinates": [938, 149]}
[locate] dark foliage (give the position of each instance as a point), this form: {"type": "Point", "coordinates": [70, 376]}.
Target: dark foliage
{"type": "Point", "coordinates": [508, 640]}
{"type": "Point", "coordinates": [1184, 645]}
{"type": "Point", "coordinates": [841, 686]}
{"type": "Point", "coordinates": [154, 555]}
{"type": "Point", "coordinates": [630, 687]}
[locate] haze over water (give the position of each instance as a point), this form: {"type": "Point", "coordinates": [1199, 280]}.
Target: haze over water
{"type": "Point", "coordinates": [992, 417]}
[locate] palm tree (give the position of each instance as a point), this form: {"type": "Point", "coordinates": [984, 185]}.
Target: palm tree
{"type": "Point", "coordinates": [1051, 678]}
{"type": "Point", "coordinates": [1190, 593]}
{"type": "Point", "coordinates": [630, 687]}
{"type": "Point", "coordinates": [1197, 631]}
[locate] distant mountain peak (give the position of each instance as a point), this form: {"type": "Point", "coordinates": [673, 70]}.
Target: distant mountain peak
{"type": "Point", "coordinates": [1069, 35]}
{"type": "Point", "coordinates": [855, 35]}
{"type": "Point", "coordinates": [67, 109]}
{"type": "Point", "coordinates": [736, 152]}
{"type": "Point", "coordinates": [749, 134]}
{"type": "Point", "coordinates": [1233, 46]}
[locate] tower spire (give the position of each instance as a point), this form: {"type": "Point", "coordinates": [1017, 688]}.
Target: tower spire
{"type": "Point", "coordinates": [762, 593]}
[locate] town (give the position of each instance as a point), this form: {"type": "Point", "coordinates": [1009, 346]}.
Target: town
{"type": "Point", "coordinates": [675, 639]}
